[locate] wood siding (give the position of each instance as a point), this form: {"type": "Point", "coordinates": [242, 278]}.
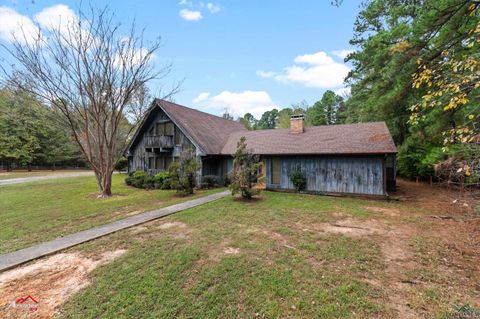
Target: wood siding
{"type": "Point", "coordinates": [143, 149]}
{"type": "Point", "coordinates": [218, 166]}
{"type": "Point", "coordinates": [333, 174]}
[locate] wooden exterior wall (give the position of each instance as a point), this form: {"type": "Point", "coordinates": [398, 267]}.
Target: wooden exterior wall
{"type": "Point", "coordinates": [139, 152]}
{"type": "Point", "coordinates": [333, 174]}
{"type": "Point", "coordinates": [218, 166]}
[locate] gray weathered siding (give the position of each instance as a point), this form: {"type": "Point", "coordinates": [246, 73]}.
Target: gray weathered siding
{"type": "Point", "coordinates": [138, 157]}
{"type": "Point", "coordinates": [333, 174]}
{"type": "Point", "coordinates": [218, 166]}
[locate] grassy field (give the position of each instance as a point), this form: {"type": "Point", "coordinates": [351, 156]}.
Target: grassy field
{"type": "Point", "coordinates": [279, 256]}
{"type": "Point", "coordinates": [283, 256]}
{"type": "Point", "coordinates": [43, 210]}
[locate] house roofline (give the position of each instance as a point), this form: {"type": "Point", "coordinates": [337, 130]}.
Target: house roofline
{"type": "Point", "coordinates": [156, 103]}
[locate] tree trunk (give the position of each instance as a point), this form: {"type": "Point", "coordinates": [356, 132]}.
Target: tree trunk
{"type": "Point", "coordinates": [104, 182]}
{"type": "Point", "coordinates": [107, 185]}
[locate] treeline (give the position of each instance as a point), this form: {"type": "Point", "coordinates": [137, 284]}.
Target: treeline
{"type": "Point", "coordinates": [31, 134]}
{"type": "Point", "coordinates": [417, 68]}
{"type": "Point", "coordinates": [330, 109]}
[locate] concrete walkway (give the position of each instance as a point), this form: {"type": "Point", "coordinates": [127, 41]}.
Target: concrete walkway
{"type": "Point", "coordinates": [12, 181]}
{"type": "Point", "coordinates": [18, 257]}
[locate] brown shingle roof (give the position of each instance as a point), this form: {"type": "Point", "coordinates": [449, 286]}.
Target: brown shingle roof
{"type": "Point", "coordinates": [360, 138]}
{"type": "Point", "coordinates": [210, 132]}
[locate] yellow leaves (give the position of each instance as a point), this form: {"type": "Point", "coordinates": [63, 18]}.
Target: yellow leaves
{"type": "Point", "coordinates": [400, 47]}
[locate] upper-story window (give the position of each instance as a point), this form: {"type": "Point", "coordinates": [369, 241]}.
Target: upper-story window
{"type": "Point", "coordinates": [164, 128]}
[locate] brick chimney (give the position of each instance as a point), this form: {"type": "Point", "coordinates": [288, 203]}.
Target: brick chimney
{"type": "Point", "coordinates": [297, 124]}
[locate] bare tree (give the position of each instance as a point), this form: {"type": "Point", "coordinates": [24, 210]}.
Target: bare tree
{"type": "Point", "coordinates": [93, 73]}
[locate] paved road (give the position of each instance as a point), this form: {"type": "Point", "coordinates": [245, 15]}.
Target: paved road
{"type": "Point", "coordinates": [19, 257]}
{"type": "Point", "coordinates": [40, 178]}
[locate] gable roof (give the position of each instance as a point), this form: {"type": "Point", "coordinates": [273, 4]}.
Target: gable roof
{"type": "Point", "coordinates": [360, 138]}
{"type": "Point", "coordinates": [216, 135]}
{"type": "Point", "coordinates": [210, 132]}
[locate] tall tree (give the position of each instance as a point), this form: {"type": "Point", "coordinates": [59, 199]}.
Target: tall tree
{"type": "Point", "coordinates": [248, 120]}
{"type": "Point", "coordinates": [89, 70]}
{"type": "Point", "coordinates": [268, 120]}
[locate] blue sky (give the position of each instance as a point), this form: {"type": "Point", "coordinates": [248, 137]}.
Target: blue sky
{"type": "Point", "coordinates": [242, 55]}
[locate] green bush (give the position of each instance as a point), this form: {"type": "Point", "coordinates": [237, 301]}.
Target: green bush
{"type": "Point", "coordinates": [246, 173]}
{"type": "Point", "coordinates": [139, 179]}
{"type": "Point", "coordinates": [298, 179]}
{"type": "Point", "coordinates": [121, 164]}
{"type": "Point", "coordinates": [209, 181]}
{"type": "Point", "coordinates": [183, 173]}
{"type": "Point", "coordinates": [162, 180]}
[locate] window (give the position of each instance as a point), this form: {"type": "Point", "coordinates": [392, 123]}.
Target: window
{"type": "Point", "coordinates": [151, 162]}
{"type": "Point", "coordinates": [276, 170]}
{"type": "Point", "coordinates": [177, 136]}
{"type": "Point", "coordinates": [160, 129]}
{"type": "Point", "coordinates": [169, 128]}
{"type": "Point", "coordinates": [159, 163]}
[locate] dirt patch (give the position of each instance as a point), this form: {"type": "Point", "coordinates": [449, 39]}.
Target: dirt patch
{"type": "Point", "coordinates": [50, 281]}
{"type": "Point", "coordinates": [172, 224]}
{"type": "Point", "coordinates": [231, 251]}
{"type": "Point", "coordinates": [393, 212]}
{"type": "Point", "coordinates": [353, 227]}
{"type": "Point", "coordinates": [436, 198]}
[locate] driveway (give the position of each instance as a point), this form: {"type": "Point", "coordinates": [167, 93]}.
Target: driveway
{"type": "Point", "coordinates": [40, 178]}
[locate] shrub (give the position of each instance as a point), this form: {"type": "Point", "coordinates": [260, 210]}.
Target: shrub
{"type": "Point", "coordinates": [162, 180]}
{"type": "Point", "coordinates": [183, 173]}
{"type": "Point", "coordinates": [298, 179]}
{"type": "Point", "coordinates": [139, 179]}
{"type": "Point", "coordinates": [246, 171]}
{"type": "Point", "coordinates": [209, 181]}
{"type": "Point", "coordinates": [121, 164]}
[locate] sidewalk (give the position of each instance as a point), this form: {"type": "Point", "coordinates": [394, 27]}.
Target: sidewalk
{"type": "Point", "coordinates": [18, 257]}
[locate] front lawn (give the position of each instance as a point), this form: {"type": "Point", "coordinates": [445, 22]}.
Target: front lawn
{"type": "Point", "coordinates": [283, 256]}
{"type": "Point", "coordinates": [38, 211]}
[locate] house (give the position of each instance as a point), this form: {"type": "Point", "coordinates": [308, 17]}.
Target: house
{"type": "Point", "coordinates": [349, 158]}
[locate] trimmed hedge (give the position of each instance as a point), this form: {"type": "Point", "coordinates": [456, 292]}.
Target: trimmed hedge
{"type": "Point", "coordinates": [141, 179]}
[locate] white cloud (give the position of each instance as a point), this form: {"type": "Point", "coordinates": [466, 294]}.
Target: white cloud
{"type": "Point", "coordinates": [265, 74]}
{"type": "Point", "coordinates": [190, 15]}
{"type": "Point", "coordinates": [17, 27]}
{"type": "Point", "coordinates": [320, 71]}
{"type": "Point", "coordinates": [184, 2]}
{"type": "Point", "coordinates": [342, 54]}
{"type": "Point", "coordinates": [56, 17]}
{"type": "Point", "coordinates": [130, 58]}
{"type": "Point", "coordinates": [201, 97]}
{"type": "Point", "coordinates": [254, 102]}
{"type": "Point", "coordinates": [212, 7]}
{"type": "Point", "coordinates": [319, 58]}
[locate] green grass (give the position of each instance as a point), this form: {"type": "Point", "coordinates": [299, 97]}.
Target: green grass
{"type": "Point", "coordinates": [43, 210]}
{"type": "Point", "coordinates": [280, 270]}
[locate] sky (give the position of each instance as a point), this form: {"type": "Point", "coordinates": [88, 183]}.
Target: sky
{"type": "Point", "coordinates": [236, 55]}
